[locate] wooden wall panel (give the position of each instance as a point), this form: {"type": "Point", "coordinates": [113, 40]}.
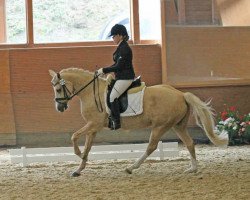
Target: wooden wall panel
{"type": "Point", "coordinates": [7, 125]}
{"type": "Point", "coordinates": [207, 53]}
{"type": "Point", "coordinates": [192, 12]}
{"type": "Point", "coordinates": [171, 12]}
{"type": "Point", "coordinates": [198, 12]}
{"type": "Point", "coordinates": [32, 92]}
{"type": "Point", "coordinates": [234, 13]}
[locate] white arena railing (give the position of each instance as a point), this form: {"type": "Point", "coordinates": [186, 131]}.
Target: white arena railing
{"type": "Point", "coordinates": [26, 156]}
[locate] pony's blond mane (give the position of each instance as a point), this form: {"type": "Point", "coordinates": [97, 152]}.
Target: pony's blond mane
{"type": "Point", "coordinates": [79, 70]}
{"type": "Point", "coordinates": [75, 70]}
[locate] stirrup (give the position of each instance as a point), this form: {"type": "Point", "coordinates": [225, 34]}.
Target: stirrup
{"type": "Point", "coordinates": [115, 125]}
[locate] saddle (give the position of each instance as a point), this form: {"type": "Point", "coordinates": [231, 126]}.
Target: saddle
{"type": "Point", "coordinates": [135, 87]}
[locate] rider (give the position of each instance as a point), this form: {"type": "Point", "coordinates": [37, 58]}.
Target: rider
{"type": "Point", "coordinates": [123, 70]}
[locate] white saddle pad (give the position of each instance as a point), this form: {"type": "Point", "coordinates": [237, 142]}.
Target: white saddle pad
{"type": "Point", "coordinates": [135, 104]}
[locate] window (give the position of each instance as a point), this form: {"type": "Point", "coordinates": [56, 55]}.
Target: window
{"type": "Point", "coordinates": [13, 22]}
{"type": "Point", "coordinates": [150, 19]}
{"type": "Point", "coordinates": [77, 20]}
{"type": "Point", "coordinates": [62, 21]}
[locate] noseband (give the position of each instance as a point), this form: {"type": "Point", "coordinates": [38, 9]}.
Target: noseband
{"type": "Point", "coordinates": [68, 95]}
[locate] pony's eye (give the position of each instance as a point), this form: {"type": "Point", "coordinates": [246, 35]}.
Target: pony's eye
{"type": "Point", "coordinates": [59, 90]}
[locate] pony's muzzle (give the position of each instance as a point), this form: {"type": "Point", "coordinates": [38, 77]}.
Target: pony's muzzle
{"type": "Point", "coordinates": [61, 107]}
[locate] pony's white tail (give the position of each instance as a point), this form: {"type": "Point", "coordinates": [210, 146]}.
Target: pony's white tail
{"type": "Point", "coordinates": [203, 114]}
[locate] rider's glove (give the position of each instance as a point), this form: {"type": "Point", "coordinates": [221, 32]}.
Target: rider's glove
{"type": "Point", "coordinates": [99, 72]}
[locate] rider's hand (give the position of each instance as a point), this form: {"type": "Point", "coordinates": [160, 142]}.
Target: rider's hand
{"type": "Point", "coordinates": [99, 72]}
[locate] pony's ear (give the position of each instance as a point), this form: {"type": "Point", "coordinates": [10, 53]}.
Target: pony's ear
{"type": "Point", "coordinates": [52, 73]}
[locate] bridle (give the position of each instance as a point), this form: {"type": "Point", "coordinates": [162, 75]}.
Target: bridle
{"type": "Point", "coordinates": [68, 95]}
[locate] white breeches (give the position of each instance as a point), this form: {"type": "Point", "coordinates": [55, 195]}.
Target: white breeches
{"type": "Point", "coordinates": [119, 88]}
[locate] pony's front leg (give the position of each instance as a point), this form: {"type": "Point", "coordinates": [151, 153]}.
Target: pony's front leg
{"type": "Point", "coordinates": [88, 144]}
{"type": "Point", "coordinates": [77, 135]}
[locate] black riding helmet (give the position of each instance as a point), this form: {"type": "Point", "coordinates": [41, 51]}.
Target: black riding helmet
{"type": "Point", "coordinates": [118, 29]}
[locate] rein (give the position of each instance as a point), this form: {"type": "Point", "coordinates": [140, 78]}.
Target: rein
{"type": "Point", "coordinates": [66, 91]}
{"type": "Point", "coordinates": [99, 107]}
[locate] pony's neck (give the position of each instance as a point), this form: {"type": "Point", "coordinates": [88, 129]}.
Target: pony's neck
{"type": "Point", "coordinates": [80, 78]}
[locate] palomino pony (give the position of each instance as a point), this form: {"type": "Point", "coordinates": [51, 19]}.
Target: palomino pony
{"type": "Point", "coordinates": [164, 107]}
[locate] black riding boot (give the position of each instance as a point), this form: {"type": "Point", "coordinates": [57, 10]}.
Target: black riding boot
{"type": "Point", "coordinates": [115, 115]}
{"type": "Point", "coordinates": [109, 122]}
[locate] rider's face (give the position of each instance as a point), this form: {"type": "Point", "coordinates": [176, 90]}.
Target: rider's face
{"type": "Point", "coordinates": [117, 38]}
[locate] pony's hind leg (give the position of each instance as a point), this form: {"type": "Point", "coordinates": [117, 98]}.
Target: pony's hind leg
{"type": "Point", "coordinates": [181, 131]}
{"type": "Point", "coordinates": [155, 136]}
{"type": "Point", "coordinates": [188, 141]}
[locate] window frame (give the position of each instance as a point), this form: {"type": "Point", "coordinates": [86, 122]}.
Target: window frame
{"type": "Point", "coordinates": [2, 21]}
{"type": "Point", "coordinates": [134, 23]}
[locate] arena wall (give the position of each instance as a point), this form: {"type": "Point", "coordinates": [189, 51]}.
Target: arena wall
{"type": "Point", "coordinates": [28, 116]}
{"type": "Point", "coordinates": [208, 53]}
{"type": "Point", "coordinates": [27, 95]}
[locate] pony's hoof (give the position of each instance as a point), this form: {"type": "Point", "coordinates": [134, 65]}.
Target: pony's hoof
{"type": "Point", "coordinates": [75, 174]}
{"type": "Point", "coordinates": [191, 170]}
{"type": "Point", "coordinates": [128, 171]}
